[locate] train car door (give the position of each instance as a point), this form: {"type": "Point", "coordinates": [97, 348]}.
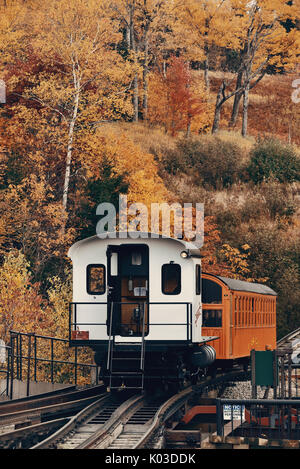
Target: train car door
{"type": "Point", "coordinates": [114, 290]}
{"type": "Point", "coordinates": [214, 317]}
{"type": "Point", "coordinates": [128, 289]}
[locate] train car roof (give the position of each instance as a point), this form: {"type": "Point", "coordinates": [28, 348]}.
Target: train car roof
{"type": "Point", "coordinates": [125, 235]}
{"type": "Point", "coordinates": [241, 285]}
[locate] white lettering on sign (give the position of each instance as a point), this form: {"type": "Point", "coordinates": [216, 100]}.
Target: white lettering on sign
{"type": "Point", "coordinates": [233, 412]}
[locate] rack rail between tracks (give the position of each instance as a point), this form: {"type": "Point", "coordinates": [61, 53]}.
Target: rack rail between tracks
{"type": "Point", "coordinates": [114, 431]}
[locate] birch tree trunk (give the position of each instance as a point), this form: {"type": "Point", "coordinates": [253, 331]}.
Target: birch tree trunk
{"type": "Point", "coordinates": [133, 48]}
{"type": "Point", "coordinates": [237, 100]}
{"type": "Point", "coordinates": [219, 103]}
{"type": "Point", "coordinates": [70, 139]}
{"type": "Point", "coordinates": [136, 97]}
{"type": "Point", "coordinates": [245, 110]}
{"type": "Point", "coordinates": [145, 74]}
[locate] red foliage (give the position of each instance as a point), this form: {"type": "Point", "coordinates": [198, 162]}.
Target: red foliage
{"type": "Point", "coordinates": [173, 101]}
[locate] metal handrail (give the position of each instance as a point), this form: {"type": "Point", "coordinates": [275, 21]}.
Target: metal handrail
{"type": "Point", "coordinates": [143, 338]}
{"type": "Point", "coordinates": [188, 323]}
{"type": "Point", "coordinates": [257, 405]}
{"type": "Point", "coordinates": [109, 340]}
{"type": "Point", "coordinates": [16, 354]}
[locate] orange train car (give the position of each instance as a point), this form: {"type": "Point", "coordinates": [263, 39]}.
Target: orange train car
{"type": "Point", "coordinates": [242, 314]}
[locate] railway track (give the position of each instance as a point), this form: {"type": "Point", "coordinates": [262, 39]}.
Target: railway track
{"type": "Point", "coordinates": [94, 419]}
{"type": "Point", "coordinates": [23, 419]}
{"type": "Point", "coordinates": [126, 428]}
{"type": "Point", "coordinates": [287, 341]}
{"type": "Point", "coordinates": [101, 424]}
{"type": "Point", "coordinates": [101, 421]}
{"type": "Point", "coordinates": [174, 407]}
{"type": "Point", "coordinates": [119, 422]}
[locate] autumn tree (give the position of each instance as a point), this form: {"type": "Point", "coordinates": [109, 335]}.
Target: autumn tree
{"type": "Point", "coordinates": [211, 25]}
{"type": "Point", "coordinates": [11, 30]}
{"type": "Point", "coordinates": [254, 31]}
{"type": "Point", "coordinates": [138, 169]}
{"type": "Point", "coordinates": [177, 100]}
{"type": "Point", "coordinates": [147, 29]}
{"type": "Point", "coordinates": [21, 306]}
{"type": "Point", "coordinates": [86, 79]}
{"type": "Point", "coordinates": [30, 221]}
{"type": "Point", "coordinates": [59, 295]}
{"type": "Point", "coordinates": [265, 43]}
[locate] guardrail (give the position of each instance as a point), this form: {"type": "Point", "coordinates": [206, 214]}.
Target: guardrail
{"type": "Point", "coordinates": [74, 311]}
{"type": "Point", "coordinates": [274, 418]}
{"type": "Point", "coordinates": [23, 359]}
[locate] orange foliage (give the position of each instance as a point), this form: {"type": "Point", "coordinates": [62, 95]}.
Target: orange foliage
{"type": "Point", "coordinates": [176, 100]}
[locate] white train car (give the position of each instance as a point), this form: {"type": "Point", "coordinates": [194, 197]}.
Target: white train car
{"type": "Point", "coordinates": [137, 304]}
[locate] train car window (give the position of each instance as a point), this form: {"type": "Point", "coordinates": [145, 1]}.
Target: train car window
{"type": "Point", "coordinates": [211, 292]}
{"type": "Point", "coordinates": [96, 283]}
{"type": "Point", "coordinates": [171, 279]}
{"type": "Point", "coordinates": [212, 318]}
{"type": "Point", "coordinates": [198, 279]}
{"type": "Point", "coordinates": [136, 258]}
{"type": "Point", "coordinates": [114, 264]}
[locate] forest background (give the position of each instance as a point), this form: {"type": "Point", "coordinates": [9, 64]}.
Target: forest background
{"type": "Point", "coordinates": [162, 100]}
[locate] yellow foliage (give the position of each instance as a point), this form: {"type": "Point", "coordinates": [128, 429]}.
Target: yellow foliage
{"type": "Point", "coordinates": [60, 295]}
{"type": "Point", "coordinates": [30, 218]}
{"type": "Point", "coordinates": [21, 306]}
{"type": "Point", "coordinates": [137, 167]}
{"type": "Point", "coordinates": [238, 264]}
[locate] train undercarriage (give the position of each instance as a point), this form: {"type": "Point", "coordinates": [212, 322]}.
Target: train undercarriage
{"type": "Point", "coordinates": [172, 367]}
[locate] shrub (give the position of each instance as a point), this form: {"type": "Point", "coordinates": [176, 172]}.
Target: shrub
{"type": "Point", "coordinates": [213, 162]}
{"type": "Point", "coordinates": [273, 159]}
{"type": "Point", "coordinates": [279, 199]}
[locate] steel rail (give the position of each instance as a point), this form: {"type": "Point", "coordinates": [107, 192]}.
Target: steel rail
{"type": "Point", "coordinates": [34, 402]}
{"type": "Point", "coordinates": [75, 433]}
{"type": "Point", "coordinates": [173, 404]}
{"type": "Point", "coordinates": [292, 335]}
{"type": "Point", "coordinates": [34, 410]}
{"type": "Point", "coordinates": [71, 425]}
{"type": "Point", "coordinates": [45, 412]}
{"type": "Point", "coordinates": [15, 438]}
{"type": "Point", "coordinates": [114, 426]}
{"type": "Point", "coordinates": [36, 397]}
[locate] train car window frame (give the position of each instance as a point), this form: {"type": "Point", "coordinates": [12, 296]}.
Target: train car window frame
{"type": "Point", "coordinates": [212, 318]}
{"type": "Point", "coordinates": [212, 292]}
{"type": "Point", "coordinates": [88, 279]}
{"type": "Point", "coordinates": [198, 279]}
{"type": "Point", "coordinates": [177, 289]}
